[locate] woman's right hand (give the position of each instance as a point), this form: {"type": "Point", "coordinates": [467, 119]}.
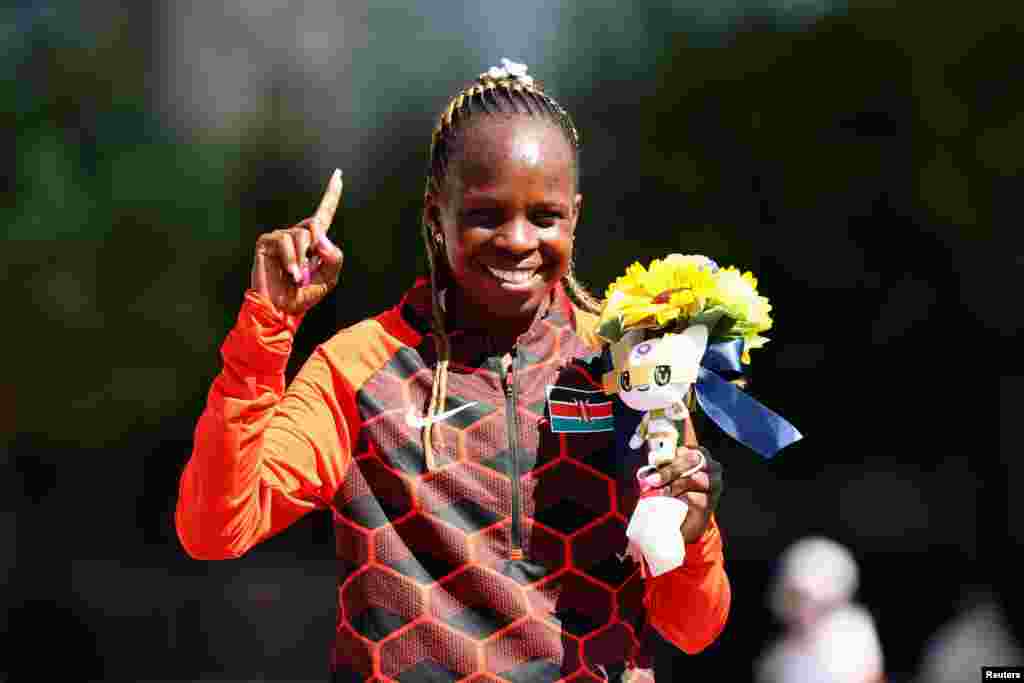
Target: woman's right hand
{"type": "Point", "coordinates": [295, 268]}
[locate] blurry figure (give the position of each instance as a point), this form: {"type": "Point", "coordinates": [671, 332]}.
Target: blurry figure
{"type": "Point", "coordinates": [828, 639]}
{"type": "Point", "coordinates": [977, 637]}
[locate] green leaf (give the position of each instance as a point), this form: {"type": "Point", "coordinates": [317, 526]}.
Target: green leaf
{"type": "Point", "coordinates": [725, 327]}
{"type": "Point", "coordinates": [709, 317]}
{"type": "Point", "coordinates": [611, 330]}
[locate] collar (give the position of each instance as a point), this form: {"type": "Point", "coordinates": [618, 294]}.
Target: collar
{"type": "Point", "coordinates": [417, 309]}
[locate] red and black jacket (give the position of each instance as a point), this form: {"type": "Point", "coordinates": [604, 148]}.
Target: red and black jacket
{"type": "Point", "coordinates": [504, 563]}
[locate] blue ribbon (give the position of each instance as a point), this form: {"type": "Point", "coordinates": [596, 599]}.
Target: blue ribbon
{"type": "Point", "coordinates": [735, 412]}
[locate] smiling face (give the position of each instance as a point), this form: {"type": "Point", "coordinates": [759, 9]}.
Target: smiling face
{"type": "Point", "coordinates": [507, 210]}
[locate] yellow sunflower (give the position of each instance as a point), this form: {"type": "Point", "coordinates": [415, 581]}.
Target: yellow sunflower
{"type": "Point", "coordinates": [678, 286]}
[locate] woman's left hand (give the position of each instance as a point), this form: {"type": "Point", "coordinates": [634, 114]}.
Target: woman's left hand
{"type": "Point", "coordinates": [701, 490]}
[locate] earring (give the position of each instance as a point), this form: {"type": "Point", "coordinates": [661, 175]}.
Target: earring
{"type": "Point", "coordinates": [438, 237]}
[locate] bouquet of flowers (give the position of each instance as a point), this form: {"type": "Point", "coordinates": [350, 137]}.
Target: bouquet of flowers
{"type": "Point", "coordinates": [672, 327]}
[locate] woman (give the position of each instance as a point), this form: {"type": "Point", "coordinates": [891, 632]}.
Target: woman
{"type": "Point", "coordinates": [474, 538]}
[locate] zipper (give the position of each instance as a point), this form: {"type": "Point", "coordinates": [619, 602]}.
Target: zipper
{"type": "Point", "coordinates": [516, 549]}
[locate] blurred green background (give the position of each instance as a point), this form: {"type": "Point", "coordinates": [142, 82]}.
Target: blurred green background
{"type": "Point", "coordinates": [863, 159]}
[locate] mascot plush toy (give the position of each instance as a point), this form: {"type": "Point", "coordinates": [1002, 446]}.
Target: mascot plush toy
{"type": "Point", "coordinates": [670, 329]}
{"type": "Point", "coordinates": [654, 377]}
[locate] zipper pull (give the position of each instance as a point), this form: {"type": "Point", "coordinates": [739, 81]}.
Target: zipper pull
{"type": "Point", "coordinates": [510, 374]}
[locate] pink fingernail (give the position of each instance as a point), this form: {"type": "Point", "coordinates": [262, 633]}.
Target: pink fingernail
{"type": "Point", "coordinates": [296, 275]}
{"type": "Point", "coordinates": [305, 275]}
{"type": "Point", "coordinates": [654, 481]}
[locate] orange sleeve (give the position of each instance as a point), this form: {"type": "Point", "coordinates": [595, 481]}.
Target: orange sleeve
{"type": "Point", "coordinates": [689, 605]}
{"type": "Point", "coordinates": [263, 457]}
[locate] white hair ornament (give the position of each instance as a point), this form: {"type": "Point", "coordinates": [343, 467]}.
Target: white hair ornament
{"type": "Point", "coordinates": [508, 71]}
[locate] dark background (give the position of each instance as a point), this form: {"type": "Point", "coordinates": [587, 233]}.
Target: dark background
{"type": "Point", "coordinates": [864, 161]}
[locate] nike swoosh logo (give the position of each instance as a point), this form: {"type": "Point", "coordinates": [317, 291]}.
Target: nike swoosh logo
{"type": "Point", "coordinates": [417, 422]}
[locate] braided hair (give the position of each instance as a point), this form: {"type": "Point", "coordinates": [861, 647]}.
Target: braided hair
{"type": "Point", "coordinates": [494, 92]}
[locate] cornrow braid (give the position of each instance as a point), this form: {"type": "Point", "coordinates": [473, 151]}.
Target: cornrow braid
{"type": "Point", "coordinates": [508, 95]}
{"type": "Point", "coordinates": [489, 95]}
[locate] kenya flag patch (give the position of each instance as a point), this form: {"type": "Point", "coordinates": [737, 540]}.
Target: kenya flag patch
{"type": "Point", "coordinates": [579, 410]}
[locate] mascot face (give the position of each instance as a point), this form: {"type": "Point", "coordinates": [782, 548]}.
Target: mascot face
{"type": "Point", "coordinates": [656, 373]}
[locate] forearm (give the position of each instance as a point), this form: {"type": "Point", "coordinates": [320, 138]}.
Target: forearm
{"type": "Point", "coordinates": [221, 505]}
{"type": "Point", "coordinates": [689, 606]}
{"type": "Point", "coordinates": [230, 498]}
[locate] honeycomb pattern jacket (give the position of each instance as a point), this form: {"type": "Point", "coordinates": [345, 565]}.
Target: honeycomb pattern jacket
{"type": "Point", "coordinates": [503, 563]}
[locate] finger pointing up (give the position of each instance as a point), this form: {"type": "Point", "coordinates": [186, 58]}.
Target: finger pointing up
{"type": "Point", "coordinates": [328, 205]}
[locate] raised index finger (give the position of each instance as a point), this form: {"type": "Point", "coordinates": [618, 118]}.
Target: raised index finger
{"type": "Point", "coordinates": [328, 205]}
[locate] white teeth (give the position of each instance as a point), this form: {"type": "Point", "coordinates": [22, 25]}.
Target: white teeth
{"type": "Point", "coordinates": [513, 276]}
